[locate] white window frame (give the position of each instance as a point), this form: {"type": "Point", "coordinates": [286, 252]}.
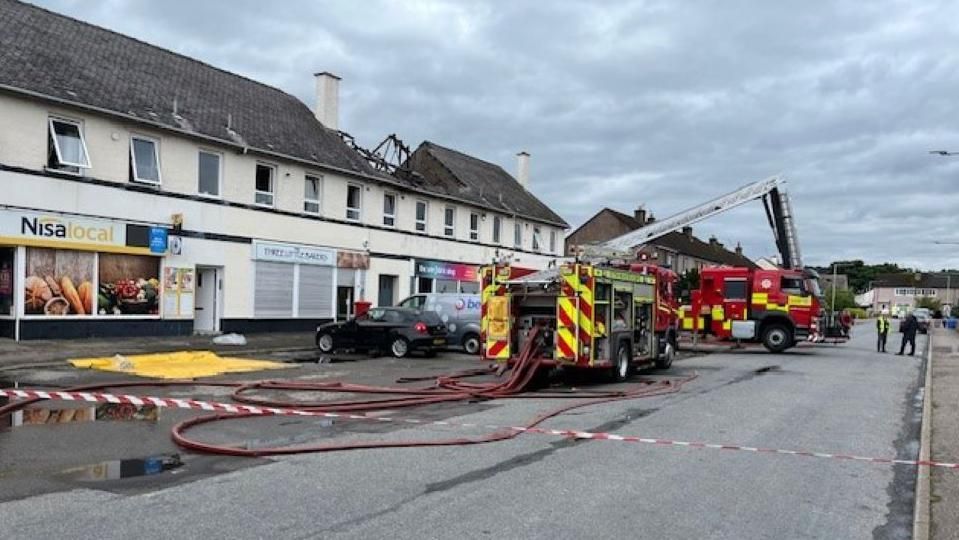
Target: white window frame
{"type": "Point", "coordinates": [517, 235]}
{"type": "Point", "coordinates": [536, 232]}
{"type": "Point", "coordinates": [52, 134]}
{"type": "Point", "coordinates": [426, 216]}
{"type": "Point", "coordinates": [359, 203]}
{"type": "Point", "coordinates": [156, 156]}
{"type": "Point", "coordinates": [390, 217]}
{"type": "Point", "coordinates": [272, 192]}
{"type": "Point", "coordinates": [552, 240]}
{"type": "Point", "coordinates": [319, 194]}
{"type": "Point", "coordinates": [449, 230]}
{"type": "Point", "coordinates": [497, 229]}
{"type": "Point", "coordinates": [219, 173]}
{"type": "Point", "coordinates": [474, 231]}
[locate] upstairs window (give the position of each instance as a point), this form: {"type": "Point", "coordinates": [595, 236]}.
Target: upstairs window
{"type": "Point", "coordinates": [144, 160]}
{"type": "Point", "coordinates": [449, 220]}
{"type": "Point", "coordinates": [208, 174]}
{"type": "Point", "coordinates": [421, 213]}
{"type": "Point", "coordinates": [536, 233]}
{"type": "Point", "coordinates": [264, 184]}
{"type": "Point", "coordinates": [474, 226]}
{"type": "Point", "coordinates": [552, 241]}
{"type": "Point", "coordinates": [517, 235]}
{"type": "Point", "coordinates": [389, 209]}
{"type": "Point", "coordinates": [67, 147]}
{"type": "Point", "coordinates": [311, 194]}
{"type": "Point", "coordinates": [497, 225]}
{"type": "Point", "coordinates": [353, 200]}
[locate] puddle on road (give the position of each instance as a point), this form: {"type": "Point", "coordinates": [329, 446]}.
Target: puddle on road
{"type": "Point", "coordinates": [124, 468]}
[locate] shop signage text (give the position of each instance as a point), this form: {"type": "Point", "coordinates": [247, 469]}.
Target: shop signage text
{"type": "Point", "coordinates": [60, 230]}
{"type": "Point", "coordinates": [441, 270]}
{"type": "Point", "coordinates": [265, 251]}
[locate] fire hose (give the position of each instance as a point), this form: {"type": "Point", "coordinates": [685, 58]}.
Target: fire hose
{"type": "Point", "coordinates": [444, 389]}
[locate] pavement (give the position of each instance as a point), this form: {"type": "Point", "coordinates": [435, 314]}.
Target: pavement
{"type": "Point", "coordinates": [944, 494]}
{"type": "Point", "coordinates": [831, 398]}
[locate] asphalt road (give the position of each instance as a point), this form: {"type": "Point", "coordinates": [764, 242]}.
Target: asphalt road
{"type": "Point", "coordinates": [840, 399]}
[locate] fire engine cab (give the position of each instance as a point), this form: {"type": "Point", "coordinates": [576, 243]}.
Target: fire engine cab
{"type": "Point", "coordinates": [776, 307]}
{"type": "Point", "coordinates": [581, 315]}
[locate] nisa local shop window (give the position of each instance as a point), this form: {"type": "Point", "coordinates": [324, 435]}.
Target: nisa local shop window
{"type": "Point", "coordinates": [69, 283]}
{"type": "Point", "coordinates": [58, 282]}
{"type": "Point", "coordinates": [129, 285]}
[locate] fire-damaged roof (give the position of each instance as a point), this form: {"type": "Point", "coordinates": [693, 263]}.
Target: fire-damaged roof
{"type": "Point", "coordinates": [455, 174]}
{"type": "Point", "coordinates": [689, 244]}
{"type": "Point", "coordinates": [69, 61]}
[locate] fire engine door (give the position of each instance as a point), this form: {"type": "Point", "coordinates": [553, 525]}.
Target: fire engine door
{"type": "Point", "coordinates": [735, 293]}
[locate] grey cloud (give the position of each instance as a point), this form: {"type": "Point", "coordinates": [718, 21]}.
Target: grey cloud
{"type": "Point", "coordinates": [655, 102]}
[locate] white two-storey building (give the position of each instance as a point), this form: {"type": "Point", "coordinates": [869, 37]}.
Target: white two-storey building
{"type": "Point", "coordinates": [144, 192]}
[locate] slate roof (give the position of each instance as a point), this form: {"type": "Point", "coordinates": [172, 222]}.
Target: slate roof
{"type": "Point", "coordinates": [689, 245]}
{"type": "Point", "coordinates": [57, 57]}
{"type": "Point", "coordinates": [449, 172]}
{"type": "Point", "coordinates": [926, 280]}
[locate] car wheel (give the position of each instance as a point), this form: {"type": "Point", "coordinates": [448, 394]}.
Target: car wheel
{"type": "Point", "coordinates": [776, 338]}
{"type": "Point", "coordinates": [621, 367]}
{"type": "Point", "coordinates": [324, 342]}
{"type": "Point", "coordinates": [400, 347]}
{"type": "Point", "coordinates": [471, 344]}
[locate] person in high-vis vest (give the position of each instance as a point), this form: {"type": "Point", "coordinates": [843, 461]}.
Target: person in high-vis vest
{"type": "Point", "coordinates": [882, 327]}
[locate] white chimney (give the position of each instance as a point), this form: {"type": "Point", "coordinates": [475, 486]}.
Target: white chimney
{"type": "Point", "coordinates": [522, 169]}
{"type": "Point", "coordinates": [328, 99]}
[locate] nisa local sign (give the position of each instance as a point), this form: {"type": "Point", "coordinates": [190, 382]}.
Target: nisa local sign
{"type": "Point", "coordinates": [60, 230]}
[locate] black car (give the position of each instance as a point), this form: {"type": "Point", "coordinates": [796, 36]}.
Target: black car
{"type": "Point", "coordinates": [393, 329]}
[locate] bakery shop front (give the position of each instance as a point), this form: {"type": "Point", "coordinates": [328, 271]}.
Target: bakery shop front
{"type": "Point", "coordinates": [64, 276]}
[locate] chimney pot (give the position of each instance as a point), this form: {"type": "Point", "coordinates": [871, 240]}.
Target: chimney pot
{"type": "Point", "coordinates": [328, 99]}
{"type": "Point", "coordinates": [640, 216]}
{"type": "Point", "coordinates": [713, 241]}
{"type": "Point", "coordinates": [688, 231]}
{"type": "Point", "coordinates": [739, 249]}
{"type": "Point", "coordinates": [522, 169]}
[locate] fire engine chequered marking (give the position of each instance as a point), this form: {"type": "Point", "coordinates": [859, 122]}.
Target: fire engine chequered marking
{"type": "Point", "coordinates": [275, 411]}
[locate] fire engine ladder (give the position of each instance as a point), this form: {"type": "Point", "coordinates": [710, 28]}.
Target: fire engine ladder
{"type": "Point", "coordinates": [778, 210]}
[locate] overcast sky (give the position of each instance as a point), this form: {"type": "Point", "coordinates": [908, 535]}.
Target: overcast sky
{"type": "Point", "coordinates": [661, 103]}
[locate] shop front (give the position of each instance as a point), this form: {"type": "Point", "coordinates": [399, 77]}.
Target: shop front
{"type": "Point", "coordinates": [65, 276]}
{"type": "Point", "coordinates": [444, 277]}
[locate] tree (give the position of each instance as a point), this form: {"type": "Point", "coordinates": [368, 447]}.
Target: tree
{"type": "Point", "coordinates": [929, 303]}
{"type": "Point", "coordinates": [845, 299]}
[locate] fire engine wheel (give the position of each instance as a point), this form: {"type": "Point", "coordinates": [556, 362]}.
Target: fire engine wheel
{"type": "Point", "coordinates": [622, 366]}
{"type": "Point", "coordinates": [400, 347]}
{"type": "Point", "coordinates": [776, 338]}
{"type": "Point", "coordinates": [471, 344]}
{"type": "Point", "coordinates": [665, 359]}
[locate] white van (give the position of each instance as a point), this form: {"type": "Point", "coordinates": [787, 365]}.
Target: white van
{"type": "Point", "coordinates": [460, 312]}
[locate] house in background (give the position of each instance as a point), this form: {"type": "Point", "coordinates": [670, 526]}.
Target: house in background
{"type": "Point", "coordinates": [899, 292]}
{"type": "Point", "coordinates": [680, 250]}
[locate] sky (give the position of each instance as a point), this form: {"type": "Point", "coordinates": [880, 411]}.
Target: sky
{"type": "Point", "coordinates": [657, 103]}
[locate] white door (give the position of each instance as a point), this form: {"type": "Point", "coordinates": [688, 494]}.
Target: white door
{"type": "Point", "coordinates": [206, 319]}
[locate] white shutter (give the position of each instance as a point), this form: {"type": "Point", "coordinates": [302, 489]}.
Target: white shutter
{"type": "Point", "coordinates": [345, 277]}
{"type": "Point", "coordinates": [316, 291]}
{"type": "Point", "coordinates": [273, 293]}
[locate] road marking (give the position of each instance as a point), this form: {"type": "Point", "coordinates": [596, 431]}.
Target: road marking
{"type": "Point", "coordinates": [179, 403]}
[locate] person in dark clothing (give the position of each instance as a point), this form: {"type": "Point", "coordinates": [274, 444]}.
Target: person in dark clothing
{"type": "Point", "coordinates": [882, 327]}
{"type": "Point", "coordinates": [909, 326]}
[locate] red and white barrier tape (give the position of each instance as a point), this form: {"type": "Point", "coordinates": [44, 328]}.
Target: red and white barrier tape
{"type": "Point", "coordinates": [176, 403]}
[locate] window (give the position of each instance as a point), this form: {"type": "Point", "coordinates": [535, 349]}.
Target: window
{"type": "Point", "coordinates": [264, 184]}
{"type": "Point", "coordinates": [353, 194]}
{"type": "Point", "coordinates": [144, 161]}
{"type": "Point", "coordinates": [792, 285]}
{"type": "Point", "coordinates": [497, 225]}
{"type": "Point", "coordinates": [474, 226]}
{"type": "Point", "coordinates": [421, 213]}
{"type": "Point", "coordinates": [517, 235]}
{"type": "Point", "coordinates": [734, 289]}
{"type": "Point", "coordinates": [68, 149]}
{"type": "Point", "coordinates": [552, 241]}
{"type": "Point", "coordinates": [389, 209]}
{"type": "Point", "coordinates": [536, 233]}
{"type": "Point", "coordinates": [449, 219]}
{"type": "Point", "coordinates": [208, 174]}
{"type": "Point", "coordinates": [311, 194]}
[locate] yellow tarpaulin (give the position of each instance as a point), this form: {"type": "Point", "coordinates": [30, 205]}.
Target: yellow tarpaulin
{"type": "Point", "coordinates": [176, 365]}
